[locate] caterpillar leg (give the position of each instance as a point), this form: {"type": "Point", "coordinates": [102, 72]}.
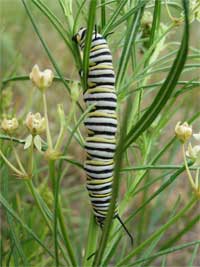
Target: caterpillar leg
{"type": "Point", "coordinates": [124, 226]}
{"type": "Point", "coordinates": [101, 220]}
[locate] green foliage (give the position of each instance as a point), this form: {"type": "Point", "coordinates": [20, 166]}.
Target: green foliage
{"type": "Point", "coordinates": [47, 218]}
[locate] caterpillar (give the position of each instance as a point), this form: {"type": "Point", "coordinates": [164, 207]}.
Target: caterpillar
{"type": "Point", "coordinates": [101, 124]}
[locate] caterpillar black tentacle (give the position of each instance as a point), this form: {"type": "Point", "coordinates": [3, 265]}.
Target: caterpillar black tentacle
{"type": "Point", "coordinates": [101, 124]}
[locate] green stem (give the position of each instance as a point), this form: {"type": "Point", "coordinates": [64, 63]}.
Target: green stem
{"type": "Point", "coordinates": [63, 128]}
{"type": "Point", "coordinates": [41, 207]}
{"type": "Point", "coordinates": [91, 241]}
{"type": "Point", "coordinates": [17, 157]}
{"type": "Point", "coordinates": [18, 250]}
{"type": "Point", "coordinates": [11, 165]}
{"type": "Point", "coordinates": [197, 178]}
{"type": "Point", "coordinates": [49, 140]}
{"type": "Point", "coordinates": [55, 225]}
{"type": "Point", "coordinates": [90, 28]}
{"type": "Point", "coordinates": [115, 188]}
{"type": "Point", "coordinates": [66, 236]}
{"type": "Point", "coordinates": [37, 201]}
{"type": "Point", "coordinates": [30, 171]}
{"type": "Point", "coordinates": [187, 168]}
{"type": "Point", "coordinates": [162, 229]}
{"type": "Point", "coordinates": [155, 167]}
{"type": "Point", "coordinates": [27, 78]}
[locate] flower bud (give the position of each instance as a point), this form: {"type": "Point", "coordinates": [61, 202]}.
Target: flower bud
{"type": "Point", "coordinates": [183, 131]}
{"type": "Point", "coordinates": [42, 79]}
{"type": "Point", "coordinates": [35, 123]}
{"type": "Point", "coordinates": [75, 92]}
{"type": "Point", "coordinates": [61, 114]}
{"type": "Point", "coordinates": [197, 136]}
{"type": "Point", "coordinates": [194, 153]}
{"type": "Point", "coordinates": [9, 125]}
{"type": "Point", "coordinates": [147, 18]}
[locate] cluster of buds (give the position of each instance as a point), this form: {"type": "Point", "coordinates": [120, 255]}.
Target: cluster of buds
{"type": "Point", "coordinates": [9, 125]}
{"type": "Point", "coordinates": [35, 123]}
{"type": "Point", "coordinates": [184, 133]}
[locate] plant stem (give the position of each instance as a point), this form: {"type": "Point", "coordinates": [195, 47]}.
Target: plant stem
{"type": "Point", "coordinates": [65, 236]}
{"type": "Point", "coordinates": [197, 178]}
{"type": "Point", "coordinates": [11, 165]}
{"type": "Point", "coordinates": [55, 185]}
{"type": "Point", "coordinates": [49, 140]}
{"type": "Point", "coordinates": [17, 157]}
{"type": "Point", "coordinates": [43, 213]}
{"type": "Point", "coordinates": [37, 201]}
{"type": "Point", "coordinates": [63, 128]}
{"type": "Point", "coordinates": [187, 168]}
{"type": "Point", "coordinates": [91, 241]}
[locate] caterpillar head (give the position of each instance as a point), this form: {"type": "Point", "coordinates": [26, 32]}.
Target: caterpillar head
{"type": "Point", "coordinates": [79, 37]}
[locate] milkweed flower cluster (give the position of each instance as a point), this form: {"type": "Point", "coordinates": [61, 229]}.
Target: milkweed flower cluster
{"type": "Point", "coordinates": [193, 152]}
{"type": "Point", "coordinates": [35, 123]}
{"type": "Point", "coordinates": [184, 133]}
{"type": "Point", "coordinates": [9, 125]}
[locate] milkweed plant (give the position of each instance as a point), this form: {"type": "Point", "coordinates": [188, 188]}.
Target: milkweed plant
{"type": "Point", "coordinates": [46, 215]}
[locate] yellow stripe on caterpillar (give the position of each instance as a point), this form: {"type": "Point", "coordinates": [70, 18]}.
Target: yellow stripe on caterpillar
{"type": "Point", "coordinates": [100, 90]}
{"type": "Point", "coordinates": [101, 139]}
{"type": "Point", "coordinates": [98, 47]}
{"type": "Point", "coordinates": [100, 196]}
{"type": "Point", "coordinates": [98, 181]}
{"type": "Point", "coordinates": [99, 162]}
{"type": "Point", "coordinates": [101, 114]}
{"type": "Point", "coordinates": [101, 66]}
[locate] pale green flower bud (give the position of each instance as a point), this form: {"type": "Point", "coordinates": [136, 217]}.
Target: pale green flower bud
{"type": "Point", "coordinates": [9, 125]}
{"type": "Point", "coordinates": [35, 123]}
{"type": "Point", "coordinates": [197, 136]}
{"type": "Point", "coordinates": [75, 91]}
{"type": "Point", "coordinates": [147, 18]}
{"type": "Point", "coordinates": [41, 79]}
{"type": "Point", "coordinates": [61, 114]}
{"type": "Point", "coordinates": [183, 131]}
{"type": "Point", "coordinates": [194, 153]}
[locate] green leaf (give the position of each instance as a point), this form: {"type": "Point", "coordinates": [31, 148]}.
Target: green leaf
{"type": "Point", "coordinates": [127, 48]}
{"type": "Point", "coordinates": [165, 90]}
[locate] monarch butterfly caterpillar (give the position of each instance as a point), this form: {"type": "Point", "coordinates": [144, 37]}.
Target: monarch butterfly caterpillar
{"type": "Point", "coordinates": [101, 124]}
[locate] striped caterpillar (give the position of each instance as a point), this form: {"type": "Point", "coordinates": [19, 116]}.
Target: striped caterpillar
{"type": "Point", "coordinates": [101, 124]}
